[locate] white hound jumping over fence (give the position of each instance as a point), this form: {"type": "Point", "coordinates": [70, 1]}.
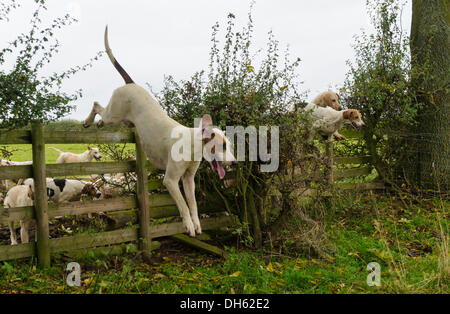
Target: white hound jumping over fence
{"type": "Point", "coordinates": [133, 105]}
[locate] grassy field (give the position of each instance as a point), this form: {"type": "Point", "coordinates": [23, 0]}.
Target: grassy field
{"type": "Point", "coordinates": [409, 242]}
{"type": "Point", "coordinates": [23, 152]}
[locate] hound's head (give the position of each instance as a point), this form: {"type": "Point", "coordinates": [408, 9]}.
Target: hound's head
{"type": "Point", "coordinates": [217, 147]}
{"type": "Point", "coordinates": [91, 190]}
{"type": "Point", "coordinates": [95, 153]}
{"type": "Point", "coordinates": [353, 117]}
{"type": "Point", "coordinates": [329, 99]}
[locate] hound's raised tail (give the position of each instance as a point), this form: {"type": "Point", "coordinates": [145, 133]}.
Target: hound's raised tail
{"type": "Point", "coordinates": [116, 64]}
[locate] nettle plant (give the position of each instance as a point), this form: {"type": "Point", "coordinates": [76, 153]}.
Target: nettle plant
{"type": "Point", "coordinates": [236, 92]}
{"type": "Point", "coordinates": [25, 95]}
{"type": "Point", "coordinates": [381, 84]}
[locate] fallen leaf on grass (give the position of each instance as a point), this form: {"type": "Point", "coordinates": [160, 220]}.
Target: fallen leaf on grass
{"type": "Point", "coordinates": [159, 276]}
{"type": "Point", "coordinates": [236, 274]}
{"type": "Point", "coordinates": [88, 281]}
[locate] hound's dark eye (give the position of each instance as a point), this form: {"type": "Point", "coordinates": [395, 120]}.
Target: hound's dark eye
{"type": "Point", "coordinates": [213, 135]}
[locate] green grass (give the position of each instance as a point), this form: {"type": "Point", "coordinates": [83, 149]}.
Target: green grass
{"type": "Point", "coordinates": [23, 152]}
{"type": "Point", "coordinates": [405, 241]}
{"type": "Point", "coordinates": [408, 238]}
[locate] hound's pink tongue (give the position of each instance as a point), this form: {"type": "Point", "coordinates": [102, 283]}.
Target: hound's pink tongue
{"type": "Point", "coordinates": [218, 167]}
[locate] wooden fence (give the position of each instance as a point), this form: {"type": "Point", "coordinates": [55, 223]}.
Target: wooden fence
{"type": "Point", "coordinates": [344, 168]}
{"type": "Point", "coordinates": [157, 205]}
{"type": "Point", "coordinates": [148, 206]}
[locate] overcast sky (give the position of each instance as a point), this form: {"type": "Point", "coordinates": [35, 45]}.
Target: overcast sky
{"type": "Point", "coordinates": [154, 38]}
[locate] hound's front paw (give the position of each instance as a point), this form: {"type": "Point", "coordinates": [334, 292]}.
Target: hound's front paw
{"type": "Point", "coordinates": [197, 226]}
{"type": "Point", "coordinates": [189, 227]}
{"type": "Point", "coordinates": [86, 125]}
{"type": "Point", "coordinates": [339, 137]}
{"type": "Point", "coordinates": [100, 124]}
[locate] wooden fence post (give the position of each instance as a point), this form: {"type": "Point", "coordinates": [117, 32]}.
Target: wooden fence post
{"type": "Point", "coordinates": [143, 200]}
{"type": "Point", "coordinates": [329, 153]}
{"type": "Point", "coordinates": [40, 195]}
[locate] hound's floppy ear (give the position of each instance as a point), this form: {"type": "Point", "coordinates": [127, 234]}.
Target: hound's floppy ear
{"type": "Point", "coordinates": [89, 147]}
{"type": "Point", "coordinates": [206, 126]}
{"type": "Point", "coordinates": [326, 99]}
{"type": "Point", "coordinates": [85, 189]}
{"type": "Point", "coordinates": [30, 193]}
{"type": "Point", "coordinates": [348, 114]}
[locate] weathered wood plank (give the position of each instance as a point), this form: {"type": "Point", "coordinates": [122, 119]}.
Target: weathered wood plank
{"type": "Point", "coordinates": [119, 219]}
{"type": "Point", "coordinates": [199, 245]}
{"type": "Point", "coordinates": [111, 250]}
{"type": "Point", "coordinates": [70, 208]}
{"type": "Point", "coordinates": [91, 207]}
{"type": "Point", "coordinates": [162, 206]}
{"type": "Point", "coordinates": [72, 169]}
{"type": "Point", "coordinates": [9, 252]}
{"type": "Point", "coordinates": [87, 137]}
{"type": "Point", "coordinates": [68, 137]}
{"type": "Point", "coordinates": [15, 172]}
{"type": "Point", "coordinates": [160, 199]}
{"type": "Point", "coordinates": [16, 214]}
{"type": "Point", "coordinates": [86, 168]}
{"type": "Point", "coordinates": [15, 137]}
{"type": "Point", "coordinates": [352, 160]}
{"type": "Point", "coordinates": [93, 240]}
{"type": "Point", "coordinates": [351, 173]}
{"type": "Point", "coordinates": [169, 229]}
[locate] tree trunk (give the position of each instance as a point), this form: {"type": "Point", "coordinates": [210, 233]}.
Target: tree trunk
{"type": "Point", "coordinates": [431, 25]}
{"type": "Point", "coordinates": [254, 218]}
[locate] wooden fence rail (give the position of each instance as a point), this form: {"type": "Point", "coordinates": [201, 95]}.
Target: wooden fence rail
{"type": "Point", "coordinates": [350, 167]}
